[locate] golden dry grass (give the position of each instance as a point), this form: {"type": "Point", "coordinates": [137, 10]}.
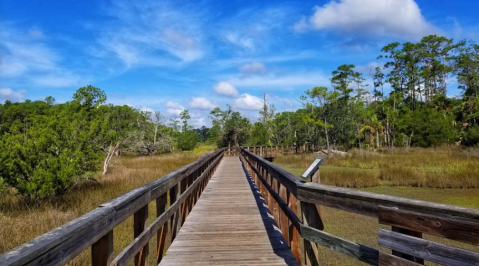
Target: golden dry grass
{"type": "Point", "coordinates": [436, 175]}
{"type": "Point", "coordinates": [20, 223]}
{"type": "Point", "coordinates": [449, 167]}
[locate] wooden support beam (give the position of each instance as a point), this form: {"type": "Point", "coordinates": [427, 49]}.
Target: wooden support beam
{"type": "Point", "coordinates": [102, 250]}
{"type": "Point", "coordinates": [140, 222]}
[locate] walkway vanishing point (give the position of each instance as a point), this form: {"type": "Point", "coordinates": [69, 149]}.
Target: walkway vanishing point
{"type": "Point", "coordinates": [247, 211]}
{"type": "Point", "coordinates": [230, 225]}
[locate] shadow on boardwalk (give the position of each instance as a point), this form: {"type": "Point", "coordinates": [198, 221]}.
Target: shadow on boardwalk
{"type": "Point", "coordinates": [275, 235]}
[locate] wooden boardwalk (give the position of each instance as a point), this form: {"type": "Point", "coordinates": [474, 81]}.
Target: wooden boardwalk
{"type": "Point", "coordinates": [230, 225]}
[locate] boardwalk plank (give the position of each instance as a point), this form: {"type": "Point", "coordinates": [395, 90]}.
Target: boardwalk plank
{"type": "Point", "coordinates": [230, 225]}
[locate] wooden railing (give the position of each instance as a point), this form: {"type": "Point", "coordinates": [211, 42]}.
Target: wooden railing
{"type": "Point", "coordinates": [303, 228]}
{"type": "Point", "coordinates": [95, 229]}
{"type": "Point", "coordinates": [272, 150]}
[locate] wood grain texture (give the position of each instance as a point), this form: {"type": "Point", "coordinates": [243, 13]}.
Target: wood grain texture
{"type": "Point", "coordinates": [284, 177]}
{"type": "Point", "coordinates": [140, 222]}
{"type": "Point", "coordinates": [426, 249]}
{"type": "Point", "coordinates": [386, 259]}
{"type": "Point", "coordinates": [354, 250]}
{"type": "Point", "coordinates": [264, 188]}
{"type": "Point", "coordinates": [455, 228]}
{"type": "Point", "coordinates": [367, 203]}
{"type": "Point", "coordinates": [62, 244]}
{"type": "Point", "coordinates": [102, 250]}
{"type": "Point", "coordinates": [229, 225]}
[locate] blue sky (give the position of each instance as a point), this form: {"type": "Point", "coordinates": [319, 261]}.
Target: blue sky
{"type": "Point", "coordinates": [195, 55]}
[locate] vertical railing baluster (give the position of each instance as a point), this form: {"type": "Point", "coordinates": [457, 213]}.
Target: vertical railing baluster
{"type": "Point", "coordinates": [294, 233]}
{"type": "Point", "coordinates": [175, 216]}
{"type": "Point", "coordinates": [284, 219]}
{"type": "Point", "coordinates": [102, 250]}
{"type": "Point", "coordinates": [161, 203]}
{"type": "Point", "coordinates": [140, 222]}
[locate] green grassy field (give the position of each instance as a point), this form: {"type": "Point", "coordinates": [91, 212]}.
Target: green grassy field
{"type": "Point", "coordinates": [449, 176]}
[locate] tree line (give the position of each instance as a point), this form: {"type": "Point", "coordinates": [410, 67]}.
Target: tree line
{"type": "Point", "coordinates": [46, 147]}
{"type": "Point", "coordinates": [350, 113]}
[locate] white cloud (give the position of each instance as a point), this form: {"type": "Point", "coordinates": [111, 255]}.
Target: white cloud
{"type": "Point", "coordinates": [226, 89]}
{"type": "Point", "coordinates": [201, 103]}
{"type": "Point", "coordinates": [28, 59]}
{"type": "Point", "coordinates": [11, 95]}
{"type": "Point", "coordinates": [243, 42]}
{"type": "Point", "coordinates": [282, 80]}
{"type": "Point", "coordinates": [147, 109]}
{"type": "Point", "coordinates": [58, 80]}
{"type": "Point", "coordinates": [151, 33]}
{"type": "Point", "coordinates": [174, 109]}
{"type": "Point", "coordinates": [248, 102]}
{"type": "Point", "coordinates": [182, 45]}
{"type": "Point", "coordinates": [35, 33]}
{"type": "Point", "coordinates": [254, 68]}
{"type": "Point", "coordinates": [395, 18]}
{"type": "Point", "coordinates": [274, 99]}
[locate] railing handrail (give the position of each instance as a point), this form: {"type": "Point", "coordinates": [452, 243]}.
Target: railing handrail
{"type": "Point", "coordinates": [86, 230]}
{"type": "Point", "coordinates": [303, 191]}
{"type": "Point", "coordinates": [448, 221]}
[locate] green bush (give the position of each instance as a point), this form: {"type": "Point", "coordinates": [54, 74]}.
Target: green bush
{"type": "Point", "coordinates": [471, 136]}
{"type": "Point", "coordinates": [186, 141]}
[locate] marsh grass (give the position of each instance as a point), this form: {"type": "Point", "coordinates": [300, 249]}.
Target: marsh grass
{"type": "Point", "coordinates": [449, 167]}
{"type": "Point", "coordinates": [436, 175]}
{"type": "Point", "coordinates": [20, 223]}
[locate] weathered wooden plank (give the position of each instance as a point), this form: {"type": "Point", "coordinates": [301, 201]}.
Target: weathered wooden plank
{"type": "Point", "coordinates": [140, 222]}
{"type": "Point", "coordinates": [354, 250]}
{"type": "Point", "coordinates": [102, 250]}
{"type": "Point", "coordinates": [404, 255]}
{"type": "Point", "coordinates": [74, 237]}
{"type": "Point", "coordinates": [386, 259]}
{"type": "Point", "coordinates": [284, 177]}
{"type": "Point", "coordinates": [142, 239]}
{"type": "Point", "coordinates": [62, 244]}
{"type": "Point", "coordinates": [311, 219]}
{"type": "Point", "coordinates": [161, 203]}
{"type": "Point", "coordinates": [284, 207]}
{"type": "Point", "coordinates": [367, 203]}
{"type": "Point", "coordinates": [227, 228]}
{"type": "Point", "coordinates": [426, 249]}
{"type": "Point", "coordinates": [455, 228]}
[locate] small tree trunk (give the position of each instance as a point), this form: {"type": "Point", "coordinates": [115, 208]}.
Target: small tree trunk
{"type": "Point", "coordinates": [327, 137]}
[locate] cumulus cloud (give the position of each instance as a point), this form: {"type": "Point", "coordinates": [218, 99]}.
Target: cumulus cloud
{"type": "Point", "coordinates": [174, 109]}
{"type": "Point", "coordinates": [248, 102]}
{"type": "Point", "coordinates": [254, 68]}
{"type": "Point", "coordinates": [12, 95]}
{"type": "Point", "coordinates": [201, 103]}
{"type": "Point", "coordinates": [395, 18]}
{"type": "Point", "coordinates": [226, 89]}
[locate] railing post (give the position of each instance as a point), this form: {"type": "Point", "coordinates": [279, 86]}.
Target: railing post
{"type": "Point", "coordinates": [174, 217]}
{"type": "Point", "coordinates": [102, 250]}
{"type": "Point", "coordinates": [163, 232]}
{"type": "Point", "coordinates": [140, 222]}
{"type": "Point", "coordinates": [293, 232]}
{"type": "Point", "coordinates": [284, 221]}
{"type": "Point", "coordinates": [311, 218]}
